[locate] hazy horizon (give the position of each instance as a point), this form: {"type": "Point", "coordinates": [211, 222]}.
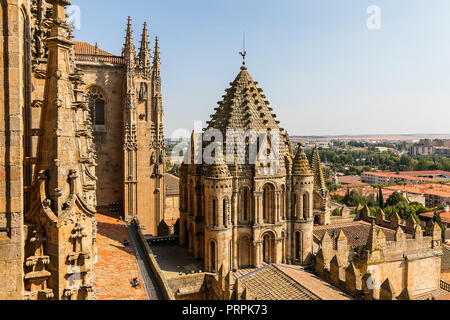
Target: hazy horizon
{"type": "Point", "coordinates": [323, 70]}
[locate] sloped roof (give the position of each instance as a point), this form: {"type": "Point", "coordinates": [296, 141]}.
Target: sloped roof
{"type": "Point", "coordinates": [172, 184]}
{"type": "Point", "coordinates": [86, 48]}
{"type": "Point", "coordinates": [270, 283]}
{"type": "Point", "coordinates": [244, 107]}
{"type": "Point", "coordinates": [301, 164]}
{"type": "Point", "coordinates": [357, 232]}
{"type": "Point", "coordinates": [316, 168]}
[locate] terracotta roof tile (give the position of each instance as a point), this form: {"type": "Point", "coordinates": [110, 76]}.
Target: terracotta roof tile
{"type": "Point", "coordinates": [86, 48]}
{"type": "Point", "coordinates": [270, 283]}
{"type": "Point", "coordinates": [356, 232]}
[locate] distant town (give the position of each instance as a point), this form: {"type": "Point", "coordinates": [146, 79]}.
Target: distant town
{"type": "Point", "coordinates": [405, 174]}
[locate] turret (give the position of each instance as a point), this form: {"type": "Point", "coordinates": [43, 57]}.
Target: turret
{"type": "Point", "coordinates": [302, 207]}
{"type": "Point", "coordinates": [218, 193]}
{"type": "Point", "coordinates": [144, 64]}
{"type": "Point", "coordinates": [129, 49]}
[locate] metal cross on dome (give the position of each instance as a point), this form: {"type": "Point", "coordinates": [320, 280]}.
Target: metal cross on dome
{"type": "Point", "coordinates": [243, 53]}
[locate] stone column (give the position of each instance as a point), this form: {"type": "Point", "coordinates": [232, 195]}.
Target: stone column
{"type": "Point", "coordinates": [220, 222]}
{"type": "Point", "coordinates": [183, 228]}
{"type": "Point", "coordinates": [258, 211]}
{"type": "Point", "coordinates": [234, 206]}
{"type": "Point", "coordinates": [288, 196]}
{"type": "Point", "coordinates": [257, 254]}
{"type": "Point", "coordinates": [278, 251]}
{"type": "Point", "coordinates": [277, 206]}
{"type": "Point", "coordinates": [300, 206]}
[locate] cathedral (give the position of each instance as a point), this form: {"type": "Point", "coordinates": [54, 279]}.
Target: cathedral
{"type": "Point", "coordinates": [242, 215]}
{"type": "Point", "coordinates": [81, 133]}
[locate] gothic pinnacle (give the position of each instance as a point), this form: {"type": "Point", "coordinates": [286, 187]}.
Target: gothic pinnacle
{"type": "Point", "coordinates": [129, 47]}
{"type": "Point", "coordinates": [144, 50]}
{"type": "Point", "coordinates": [156, 58]}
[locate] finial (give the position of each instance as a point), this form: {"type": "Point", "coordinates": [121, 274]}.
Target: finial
{"type": "Point", "coordinates": [243, 53]}
{"type": "Point", "coordinates": [156, 57]}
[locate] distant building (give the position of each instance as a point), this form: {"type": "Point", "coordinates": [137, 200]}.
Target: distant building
{"type": "Point", "coordinates": [435, 194]}
{"type": "Point", "coordinates": [428, 147]}
{"type": "Point", "coordinates": [413, 177]}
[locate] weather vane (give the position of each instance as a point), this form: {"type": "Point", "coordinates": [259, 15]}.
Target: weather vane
{"type": "Point", "coordinates": [243, 53]}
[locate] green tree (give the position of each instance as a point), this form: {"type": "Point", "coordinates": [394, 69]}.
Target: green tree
{"type": "Point", "coordinates": [380, 198]}
{"type": "Point", "coordinates": [437, 219]}
{"type": "Point", "coordinates": [395, 199]}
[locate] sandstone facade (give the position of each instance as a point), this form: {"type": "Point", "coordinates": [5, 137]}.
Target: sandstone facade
{"type": "Point", "coordinates": [244, 215]}
{"type": "Point", "coordinates": [79, 130]}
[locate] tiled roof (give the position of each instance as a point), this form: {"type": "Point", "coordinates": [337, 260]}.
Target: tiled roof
{"type": "Point", "coordinates": [172, 184]}
{"type": "Point", "coordinates": [439, 294]}
{"type": "Point", "coordinates": [88, 53]}
{"type": "Point", "coordinates": [446, 259]}
{"type": "Point", "coordinates": [114, 258]}
{"type": "Point", "coordinates": [357, 232]}
{"type": "Point", "coordinates": [401, 175]}
{"type": "Point", "coordinates": [301, 164]}
{"type": "Point", "coordinates": [270, 283]}
{"type": "Point", "coordinates": [321, 288]}
{"type": "Point", "coordinates": [86, 48]}
{"type": "Point", "coordinates": [244, 107]}
{"type": "Point", "coordinates": [445, 216]}
{"type": "Point", "coordinates": [427, 189]}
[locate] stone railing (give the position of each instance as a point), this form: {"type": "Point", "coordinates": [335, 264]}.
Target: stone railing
{"type": "Point", "coordinates": [445, 286]}
{"type": "Point", "coordinates": [160, 278]}
{"type": "Point", "coordinates": [99, 58]}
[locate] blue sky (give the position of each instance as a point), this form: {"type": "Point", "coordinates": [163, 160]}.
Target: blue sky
{"type": "Point", "coordinates": [323, 70]}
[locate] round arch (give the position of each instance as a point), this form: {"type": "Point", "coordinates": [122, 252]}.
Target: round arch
{"type": "Point", "coordinates": [244, 252]}
{"type": "Point", "coordinates": [268, 247]}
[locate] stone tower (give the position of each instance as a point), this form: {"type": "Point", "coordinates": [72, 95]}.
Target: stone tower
{"type": "Point", "coordinates": [302, 209]}
{"type": "Point", "coordinates": [254, 203]}
{"type": "Point", "coordinates": [321, 197]}
{"type": "Point", "coordinates": [144, 154]}
{"type": "Point", "coordinates": [60, 224]}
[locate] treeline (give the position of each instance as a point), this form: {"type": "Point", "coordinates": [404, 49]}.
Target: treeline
{"type": "Point", "coordinates": [355, 162]}
{"type": "Point", "coordinates": [396, 203]}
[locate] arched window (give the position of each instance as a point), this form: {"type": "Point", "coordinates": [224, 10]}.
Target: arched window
{"type": "Point", "coordinates": [224, 209]}
{"type": "Point", "coordinates": [268, 246]}
{"type": "Point", "coordinates": [269, 203]}
{"type": "Point", "coordinates": [305, 206]}
{"type": "Point", "coordinates": [244, 251]}
{"type": "Point", "coordinates": [297, 246]}
{"type": "Point", "coordinates": [97, 107]}
{"type": "Point", "coordinates": [294, 205]}
{"type": "Point", "coordinates": [245, 205]}
{"type": "Point", "coordinates": [213, 256]}
{"type": "Point", "coordinates": [214, 212]}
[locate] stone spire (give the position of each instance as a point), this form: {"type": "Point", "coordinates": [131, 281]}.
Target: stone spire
{"type": "Point", "coordinates": [63, 192]}
{"type": "Point", "coordinates": [316, 168]}
{"type": "Point", "coordinates": [301, 164]}
{"type": "Point", "coordinates": [157, 58]}
{"type": "Point", "coordinates": [58, 119]}
{"type": "Point", "coordinates": [144, 52]}
{"type": "Point", "coordinates": [157, 113]}
{"type": "Point", "coordinates": [372, 240]}
{"type": "Point", "coordinates": [129, 49]}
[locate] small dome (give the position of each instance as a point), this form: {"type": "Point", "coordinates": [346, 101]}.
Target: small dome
{"type": "Point", "coordinates": [301, 164]}
{"type": "Point", "coordinates": [218, 169]}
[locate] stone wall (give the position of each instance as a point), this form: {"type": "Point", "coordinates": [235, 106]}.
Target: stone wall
{"type": "Point", "coordinates": [402, 268]}
{"type": "Point", "coordinates": [108, 139]}
{"type": "Point", "coordinates": [13, 73]}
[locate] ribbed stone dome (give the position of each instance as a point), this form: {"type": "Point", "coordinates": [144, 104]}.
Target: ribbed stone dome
{"type": "Point", "coordinates": [301, 163]}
